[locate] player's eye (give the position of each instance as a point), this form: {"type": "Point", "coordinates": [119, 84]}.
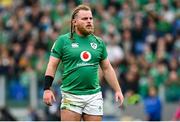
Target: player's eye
{"type": "Point", "coordinates": [84, 18]}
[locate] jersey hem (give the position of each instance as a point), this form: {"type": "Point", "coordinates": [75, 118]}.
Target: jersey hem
{"type": "Point", "coordinates": [82, 92]}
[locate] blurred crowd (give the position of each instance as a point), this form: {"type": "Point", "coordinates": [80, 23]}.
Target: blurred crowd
{"type": "Point", "coordinates": [142, 37]}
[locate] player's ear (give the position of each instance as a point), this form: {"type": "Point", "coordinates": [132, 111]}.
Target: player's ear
{"type": "Point", "coordinates": [74, 22]}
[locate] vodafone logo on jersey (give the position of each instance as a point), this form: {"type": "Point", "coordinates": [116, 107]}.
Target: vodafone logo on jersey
{"type": "Point", "coordinates": [85, 56]}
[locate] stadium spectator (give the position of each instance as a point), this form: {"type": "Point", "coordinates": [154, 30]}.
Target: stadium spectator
{"type": "Point", "coordinates": [176, 116]}
{"type": "Point", "coordinates": [153, 105]}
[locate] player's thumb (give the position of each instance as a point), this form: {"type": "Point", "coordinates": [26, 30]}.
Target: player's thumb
{"type": "Point", "coordinates": [116, 98]}
{"type": "Point", "coordinates": [53, 97]}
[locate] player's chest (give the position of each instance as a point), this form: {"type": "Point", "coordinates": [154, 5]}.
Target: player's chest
{"type": "Point", "coordinates": [84, 51]}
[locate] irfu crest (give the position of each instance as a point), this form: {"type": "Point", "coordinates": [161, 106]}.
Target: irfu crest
{"type": "Point", "coordinates": [93, 45]}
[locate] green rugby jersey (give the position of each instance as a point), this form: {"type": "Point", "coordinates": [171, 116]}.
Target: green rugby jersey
{"type": "Point", "coordinates": [80, 58]}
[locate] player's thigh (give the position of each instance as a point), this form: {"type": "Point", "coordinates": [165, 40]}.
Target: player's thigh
{"type": "Point", "coordinates": [94, 106]}
{"type": "Point", "coordinates": [68, 115]}
{"type": "Point", "coordinates": [87, 117]}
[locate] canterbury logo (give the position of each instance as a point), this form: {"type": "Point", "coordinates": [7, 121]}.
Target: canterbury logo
{"type": "Point", "coordinates": [75, 45]}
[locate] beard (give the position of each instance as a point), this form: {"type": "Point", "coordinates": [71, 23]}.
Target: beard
{"type": "Point", "coordinates": [87, 30]}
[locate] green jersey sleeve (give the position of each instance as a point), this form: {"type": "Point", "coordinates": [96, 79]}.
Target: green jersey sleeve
{"type": "Point", "coordinates": [57, 48]}
{"type": "Point", "coordinates": [104, 51]}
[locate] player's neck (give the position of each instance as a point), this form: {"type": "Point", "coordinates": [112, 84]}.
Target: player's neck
{"type": "Point", "coordinates": [80, 34]}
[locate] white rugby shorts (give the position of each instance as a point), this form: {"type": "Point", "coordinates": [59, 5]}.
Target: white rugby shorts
{"type": "Point", "coordinates": [88, 104]}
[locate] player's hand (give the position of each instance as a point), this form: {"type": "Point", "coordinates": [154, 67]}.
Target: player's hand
{"type": "Point", "coordinates": [119, 97]}
{"type": "Point", "coordinates": [48, 97]}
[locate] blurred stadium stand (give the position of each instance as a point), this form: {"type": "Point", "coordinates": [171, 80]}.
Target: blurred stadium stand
{"type": "Point", "coordinates": [143, 43]}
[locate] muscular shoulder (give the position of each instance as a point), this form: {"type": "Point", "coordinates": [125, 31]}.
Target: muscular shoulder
{"type": "Point", "coordinates": [63, 37]}
{"type": "Point", "coordinates": [99, 40]}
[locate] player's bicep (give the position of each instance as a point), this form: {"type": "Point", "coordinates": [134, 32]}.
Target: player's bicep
{"type": "Point", "coordinates": [52, 66]}
{"type": "Point", "coordinates": [55, 52]}
{"type": "Point", "coordinates": [54, 61]}
{"type": "Point", "coordinates": [57, 48]}
{"type": "Point", "coordinates": [105, 64]}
